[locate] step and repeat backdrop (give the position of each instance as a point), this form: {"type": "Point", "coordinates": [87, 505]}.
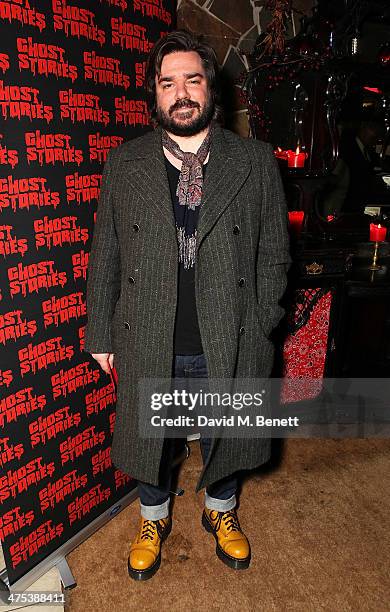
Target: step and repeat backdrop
{"type": "Point", "coordinates": [71, 88]}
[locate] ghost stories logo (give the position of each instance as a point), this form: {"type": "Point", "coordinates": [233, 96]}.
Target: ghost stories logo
{"type": "Point", "coordinates": [40, 58]}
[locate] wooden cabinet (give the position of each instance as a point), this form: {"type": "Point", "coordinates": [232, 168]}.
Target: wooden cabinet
{"type": "Point", "coordinates": [338, 312]}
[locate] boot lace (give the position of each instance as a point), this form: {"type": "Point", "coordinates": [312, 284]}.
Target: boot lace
{"type": "Point", "coordinates": [230, 519]}
{"type": "Point", "coordinates": [148, 530]}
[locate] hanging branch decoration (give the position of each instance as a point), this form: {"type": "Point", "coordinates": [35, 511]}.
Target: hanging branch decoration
{"type": "Point", "coordinates": [283, 59]}
{"type": "Point", "coordinates": [274, 41]}
{"type": "Point", "coordinates": [280, 59]}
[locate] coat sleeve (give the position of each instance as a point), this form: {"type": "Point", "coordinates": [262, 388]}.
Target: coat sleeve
{"type": "Point", "coordinates": [103, 277]}
{"type": "Point", "coordinates": [273, 259]}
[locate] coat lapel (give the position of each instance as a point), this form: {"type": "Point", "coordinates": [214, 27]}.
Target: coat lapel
{"type": "Point", "coordinates": [148, 175]}
{"type": "Point", "coordinates": [227, 169]}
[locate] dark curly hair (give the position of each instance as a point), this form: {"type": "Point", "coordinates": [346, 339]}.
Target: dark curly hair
{"type": "Point", "coordinates": [182, 40]}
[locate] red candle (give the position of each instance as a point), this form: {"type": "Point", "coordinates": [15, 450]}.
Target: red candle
{"type": "Point", "coordinates": [296, 159]}
{"type": "Point", "coordinates": [377, 232]}
{"type": "Point", "coordinates": [281, 154]}
{"type": "Point", "coordinates": [295, 218]}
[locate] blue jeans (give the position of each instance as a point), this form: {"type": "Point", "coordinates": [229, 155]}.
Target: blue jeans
{"type": "Point", "coordinates": [220, 495]}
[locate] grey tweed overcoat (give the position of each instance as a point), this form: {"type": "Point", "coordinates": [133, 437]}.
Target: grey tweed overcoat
{"type": "Point", "coordinates": [132, 283]}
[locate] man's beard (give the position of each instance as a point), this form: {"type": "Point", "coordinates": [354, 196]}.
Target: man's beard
{"type": "Point", "coordinates": [186, 128]}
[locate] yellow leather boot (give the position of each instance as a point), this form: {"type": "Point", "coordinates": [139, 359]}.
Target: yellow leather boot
{"type": "Point", "coordinates": [145, 552]}
{"type": "Point", "coordinates": [232, 544]}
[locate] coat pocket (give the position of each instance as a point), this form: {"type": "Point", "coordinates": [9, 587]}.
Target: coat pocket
{"type": "Point", "coordinates": [263, 329]}
{"type": "Point", "coordinates": [264, 324]}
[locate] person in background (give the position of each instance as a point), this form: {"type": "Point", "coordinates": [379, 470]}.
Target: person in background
{"type": "Point", "coordinates": [359, 163]}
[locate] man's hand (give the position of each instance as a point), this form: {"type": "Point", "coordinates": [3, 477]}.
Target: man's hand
{"type": "Point", "coordinates": [105, 360]}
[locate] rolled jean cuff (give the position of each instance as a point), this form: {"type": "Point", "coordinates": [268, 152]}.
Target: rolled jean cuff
{"type": "Point", "coordinates": [155, 513]}
{"type": "Point", "coordinates": [221, 505]}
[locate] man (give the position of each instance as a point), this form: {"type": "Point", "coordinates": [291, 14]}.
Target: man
{"type": "Point", "coordinates": [187, 266]}
{"type": "Point", "coordinates": [357, 155]}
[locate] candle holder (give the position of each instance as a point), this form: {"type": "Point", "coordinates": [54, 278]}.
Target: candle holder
{"type": "Point", "coordinates": [374, 264]}
{"type": "Point", "coordinates": [296, 221]}
{"type": "Point", "coordinates": [326, 226]}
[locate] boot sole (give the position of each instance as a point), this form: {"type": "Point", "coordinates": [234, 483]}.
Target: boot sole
{"type": "Point", "coordinates": [231, 562]}
{"type": "Point", "coordinates": [150, 571]}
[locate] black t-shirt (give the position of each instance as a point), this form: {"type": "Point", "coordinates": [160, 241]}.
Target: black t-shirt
{"type": "Point", "coordinates": [187, 339]}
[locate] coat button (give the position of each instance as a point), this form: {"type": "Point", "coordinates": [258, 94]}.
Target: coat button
{"type": "Point", "coordinates": [131, 280]}
{"type": "Point", "coordinates": [241, 282]}
{"type": "Point", "coordinates": [136, 227]}
{"type": "Point", "coordinates": [242, 330]}
{"type": "Point", "coordinates": [236, 229]}
{"type": "Point", "coordinates": [127, 325]}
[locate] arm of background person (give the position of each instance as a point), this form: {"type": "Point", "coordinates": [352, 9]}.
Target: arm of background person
{"type": "Point", "coordinates": [333, 201]}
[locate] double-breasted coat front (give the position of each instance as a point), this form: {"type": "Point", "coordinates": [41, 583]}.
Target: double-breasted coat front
{"type": "Point", "coordinates": [240, 276]}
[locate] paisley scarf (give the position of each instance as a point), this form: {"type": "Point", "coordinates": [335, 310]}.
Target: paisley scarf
{"type": "Point", "coordinates": [189, 194]}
